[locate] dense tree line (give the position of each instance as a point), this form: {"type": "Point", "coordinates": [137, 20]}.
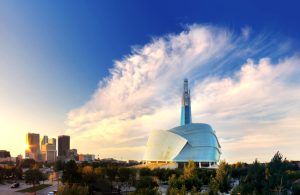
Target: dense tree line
{"type": "Point", "coordinates": [279, 176]}
{"type": "Point", "coordinates": [276, 177]}
{"type": "Point", "coordinates": [34, 176]}
{"type": "Point", "coordinates": [103, 179]}
{"type": "Point", "coordinates": [10, 173]}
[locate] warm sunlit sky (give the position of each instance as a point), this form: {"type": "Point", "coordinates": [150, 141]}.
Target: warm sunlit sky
{"type": "Point", "coordinates": [109, 72]}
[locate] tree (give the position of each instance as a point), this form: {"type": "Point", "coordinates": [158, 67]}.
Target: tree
{"type": "Point", "coordinates": [237, 190]}
{"type": "Point", "coordinates": [186, 182]}
{"type": "Point", "coordinates": [205, 175]}
{"type": "Point", "coordinates": [296, 188]}
{"type": "Point", "coordinates": [189, 170]}
{"type": "Point", "coordinates": [87, 174]}
{"type": "Point", "coordinates": [1, 175]}
{"type": "Point", "coordinates": [190, 177]}
{"type": "Point", "coordinates": [73, 190]}
{"type": "Point", "coordinates": [174, 182]}
{"type": "Point", "coordinates": [44, 177]}
{"type": "Point", "coordinates": [239, 170]}
{"type": "Point", "coordinates": [213, 187]}
{"type": "Point", "coordinates": [222, 178]}
{"type": "Point", "coordinates": [88, 177]}
{"type": "Point", "coordinates": [59, 165]}
{"type": "Point", "coordinates": [145, 172]}
{"type": "Point", "coordinates": [19, 173]}
{"type": "Point", "coordinates": [276, 174]}
{"type": "Point", "coordinates": [70, 173]}
{"type": "Point", "coordinates": [272, 178]}
{"type": "Point", "coordinates": [254, 181]}
{"type": "Point", "coordinates": [33, 176]}
{"type": "Point", "coordinates": [10, 172]}
{"type": "Point", "coordinates": [111, 173]}
{"type": "Point", "coordinates": [173, 191]}
{"type": "Point", "coordinates": [126, 176]}
{"type": "Point", "coordinates": [147, 185]}
{"type": "Point", "coordinates": [28, 163]}
{"type": "Point", "coordinates": [100, 172]}
{"type": "Point", "coordinates": [147, 182]}
{"type": "Point", "coordinates": [146, 191]}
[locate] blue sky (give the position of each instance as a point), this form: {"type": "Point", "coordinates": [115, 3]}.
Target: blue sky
{"type": "Point", "coordinates": [54, 54]}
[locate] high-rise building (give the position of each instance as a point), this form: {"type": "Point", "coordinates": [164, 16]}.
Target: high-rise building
{"type": "Point", "coordinates": [63, 146]}
{"type": "Point", "coordinates": [48, 149]}
{"type": "Point", "coordinates": [44, 140]}
{"type": "Point", "coordinates": [33, 150]}
{"type": "Point", "coordinates": [186, 117]}
{"type": "Point", "coordinates": [4, 154]}
{"type": "Point", "coordinates": [52, 141]}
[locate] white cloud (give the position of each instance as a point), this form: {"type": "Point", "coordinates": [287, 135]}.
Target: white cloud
{"type": "Point", "coordinates": [246, 32]}
{"type": "Point", "coordinates": [248, 104]}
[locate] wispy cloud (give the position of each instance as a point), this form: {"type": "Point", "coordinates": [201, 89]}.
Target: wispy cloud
{"type": "Point", "coordinates": [246, 32]}
{"type": "Point", "coordinates": [242, 85]}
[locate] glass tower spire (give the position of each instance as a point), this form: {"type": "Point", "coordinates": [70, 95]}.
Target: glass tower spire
{"type": "Point", "coordinates": [186, 117]}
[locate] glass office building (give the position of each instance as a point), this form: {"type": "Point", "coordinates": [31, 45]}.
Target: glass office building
{"type": "Point", "coordinates": [189, 141]}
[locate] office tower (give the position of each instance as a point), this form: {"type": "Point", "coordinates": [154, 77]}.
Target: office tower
{"type": "Point", "coordinates": [48, 149]}
{"type": "Point", "coordinates": [52, 141]}
{"type": "Point", "coordinates": [44, 140]}
{"type": "Point", "coordinates": [4, 154]}
{"type": "Point", "coordinates": [186, 117]}
{"type": "Point", "coordinates": [63, 146]}
{"type": "Point", "coordinates": [33, 150]}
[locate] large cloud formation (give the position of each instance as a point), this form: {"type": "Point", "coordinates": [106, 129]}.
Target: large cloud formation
{"type": "Point", "coordinates": [247, 87]}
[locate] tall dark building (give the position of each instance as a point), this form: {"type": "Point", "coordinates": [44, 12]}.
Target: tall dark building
{"type": "Point", "coordinates": [63, 145]}
{"type": "Point", "coordinates": [186, 117]}
{"type": "Point", "coordinates": [33, 150]}
{"type": "Point", "coordinates": [4, 154]}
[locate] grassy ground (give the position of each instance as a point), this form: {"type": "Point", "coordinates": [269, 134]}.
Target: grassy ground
{"type": "Point", "coordinates": [35, 188]}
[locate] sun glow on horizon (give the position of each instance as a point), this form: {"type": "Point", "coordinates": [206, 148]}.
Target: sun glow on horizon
{"type": "Point", "coordinates": [26, 146]}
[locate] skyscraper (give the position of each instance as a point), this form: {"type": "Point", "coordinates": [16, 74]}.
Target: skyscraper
{"type": "Point", "coordinates": [63, 146]}
{"type": "Point", "coordinates": [186, 117]}
{"type": "Point", "coordinates": [33, 150]}
{"type": "Point", "coordinates": [44, 140]}
{"type": "Point", "coordinates": [48, 149]}
{"type": "Point", "coordinates": [4, 154]}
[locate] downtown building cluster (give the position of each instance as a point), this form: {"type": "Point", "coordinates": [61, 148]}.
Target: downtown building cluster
{"type": "Point", "coordinates": [45, 149]}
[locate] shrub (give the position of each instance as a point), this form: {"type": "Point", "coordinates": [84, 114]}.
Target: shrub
{"type": "Point", "coordinates": [73, 190]}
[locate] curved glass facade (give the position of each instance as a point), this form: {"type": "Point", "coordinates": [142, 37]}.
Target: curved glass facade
{"type": "Point", "coordinates": [196, 141]}
{"type": "Point", "coordinates": [163, 146]}
{"type": "Point", "coordinates": [202, 146]}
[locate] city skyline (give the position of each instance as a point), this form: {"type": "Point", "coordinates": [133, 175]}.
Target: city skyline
{"type": "Point", "coordinates": [102, 73]}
